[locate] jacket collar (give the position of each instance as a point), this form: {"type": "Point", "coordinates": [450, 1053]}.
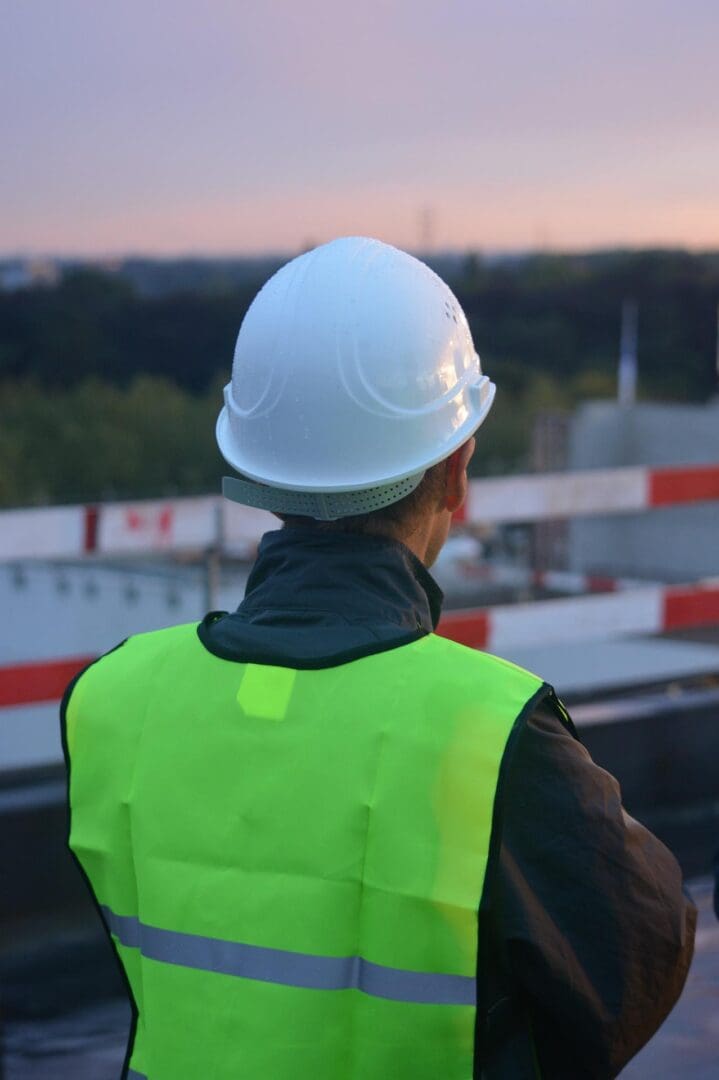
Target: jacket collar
{"type": "Point", "coordinates": [357, 577]}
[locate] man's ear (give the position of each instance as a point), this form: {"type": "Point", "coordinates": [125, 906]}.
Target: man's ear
{"type": "Point", "coordinates": [456, 476]}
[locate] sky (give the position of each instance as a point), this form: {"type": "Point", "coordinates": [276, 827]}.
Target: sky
{"type": "Point", "coordinates": [179, 127]}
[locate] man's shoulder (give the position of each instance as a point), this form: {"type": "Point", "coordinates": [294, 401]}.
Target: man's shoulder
{"type": "Point", "coordinates": [129, 658]}
{"type": "Point", "coordinates": [119, 678]}
{"type": "Point", "coordinates": [475, 661]}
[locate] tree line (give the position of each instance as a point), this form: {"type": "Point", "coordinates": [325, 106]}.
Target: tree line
{"type": "Point", "coordinates": [108, 391]}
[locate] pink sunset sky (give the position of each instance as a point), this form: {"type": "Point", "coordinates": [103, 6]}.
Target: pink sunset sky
{"type": "Point", "coordinates": [178, 127]}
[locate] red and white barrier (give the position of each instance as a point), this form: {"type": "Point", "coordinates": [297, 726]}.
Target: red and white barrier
{"type": "Point", "coordinates": [160, 525]}
{"type": "Point", "coordinates": [38, 681]}
{"type": "Point", "coordinates": [649, 610]}
{"type": "Point", "coordinates": [53, 532]}
{"type": "Point", "coordinates": [188, 524]}
{"type": "Point", "coordinates": [591, 491]}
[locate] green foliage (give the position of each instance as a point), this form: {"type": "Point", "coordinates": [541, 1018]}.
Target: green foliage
{"type": "Point", "coordinates": [96, 324]}
{"type": "Point", "coordinates": [110, 392]}
{"type": "Point", "coordinates": [99, 441]}
{"type": "Point", "coordinates": [561, 315]}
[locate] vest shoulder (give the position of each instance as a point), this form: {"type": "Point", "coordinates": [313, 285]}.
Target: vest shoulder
{"type": "Point", "coordinates": [167, 637]}
{"type": "Point", "coordinates": [137, 653]}
{"type": "Point", "coordinates": [475, 662]}
{"type": "Point", "coordinates": [120, 678]}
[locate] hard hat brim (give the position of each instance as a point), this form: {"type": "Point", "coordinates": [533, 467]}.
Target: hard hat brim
{"type": "Point", "coordinates": [483, 394]}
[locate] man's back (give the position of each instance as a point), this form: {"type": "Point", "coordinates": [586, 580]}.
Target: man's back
{"type": "Point", "coordinates": [301, 850]}
{"type": "Point", "coordinates": [296, 841]}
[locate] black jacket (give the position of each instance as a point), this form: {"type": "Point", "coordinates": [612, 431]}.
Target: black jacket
{"type": "Point", "coordinates": [585, 932]}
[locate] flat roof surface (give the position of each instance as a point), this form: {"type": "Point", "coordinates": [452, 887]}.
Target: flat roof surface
{"type": "Point", "coordinates": [586, 666]}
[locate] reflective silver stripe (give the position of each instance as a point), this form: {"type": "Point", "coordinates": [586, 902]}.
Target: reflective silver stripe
{"type": "Point", "coordinates": [291, 968]}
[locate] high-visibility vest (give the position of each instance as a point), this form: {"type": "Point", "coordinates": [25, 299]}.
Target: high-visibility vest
{"type": "Point", "coordinates": [291, 862]}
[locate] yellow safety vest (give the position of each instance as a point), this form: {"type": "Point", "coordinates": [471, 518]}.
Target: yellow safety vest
{"type": "Point", "coordinates": [291, 862]}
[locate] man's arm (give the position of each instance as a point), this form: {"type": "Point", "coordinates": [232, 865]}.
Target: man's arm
{"type": "Point", "coordinates": [595, 932]}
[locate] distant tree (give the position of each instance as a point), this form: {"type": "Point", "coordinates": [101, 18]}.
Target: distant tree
{"type": "Point", "coordinates": [100, 441]}
{"type": "Point", "coordinates": [551, 313]}
{"type": "Point", "coordinates": [107, 391]}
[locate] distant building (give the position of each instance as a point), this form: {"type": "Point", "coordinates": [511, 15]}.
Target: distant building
{"type": "Point", "coordinates": [675, 544]}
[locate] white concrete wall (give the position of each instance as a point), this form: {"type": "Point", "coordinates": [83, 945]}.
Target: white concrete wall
{"type": "Point", "coordinates": [674, 544]}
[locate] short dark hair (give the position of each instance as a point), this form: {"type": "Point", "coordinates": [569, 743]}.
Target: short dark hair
{"type": "Point", "coordinates": [399, 517]}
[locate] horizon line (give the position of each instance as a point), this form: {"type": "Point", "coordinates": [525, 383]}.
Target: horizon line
{"type": "Point", "coordinates": [289, 253]}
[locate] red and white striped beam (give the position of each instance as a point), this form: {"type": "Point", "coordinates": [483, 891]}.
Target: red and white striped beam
{"type": "Point", "coordinates": [191, 524]}
{"type": "Point", "coordinates": [131, 528]}
{"type": "Point", "coordinates": [649, 610]}
{"type": "Point", "coordinates": [38, 681]}
{"type": "Point", "coordinates": [652, 609]}
{"type": "Point", "coordinates": [588, 492]}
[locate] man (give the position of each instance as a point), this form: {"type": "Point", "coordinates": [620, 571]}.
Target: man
{"type": "Point", "coordinates": [327, 842]}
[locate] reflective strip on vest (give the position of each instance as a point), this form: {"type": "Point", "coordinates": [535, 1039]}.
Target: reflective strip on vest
{"type": "Point", "coordinates": [290, 968]}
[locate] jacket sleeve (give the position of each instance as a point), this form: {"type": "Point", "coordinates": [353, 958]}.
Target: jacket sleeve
{"type": "Point", "coordinates": [595, 933]}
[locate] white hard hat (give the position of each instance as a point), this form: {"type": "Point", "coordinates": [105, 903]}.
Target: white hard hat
{"type": "Point", "coordinates": [354, 371]}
